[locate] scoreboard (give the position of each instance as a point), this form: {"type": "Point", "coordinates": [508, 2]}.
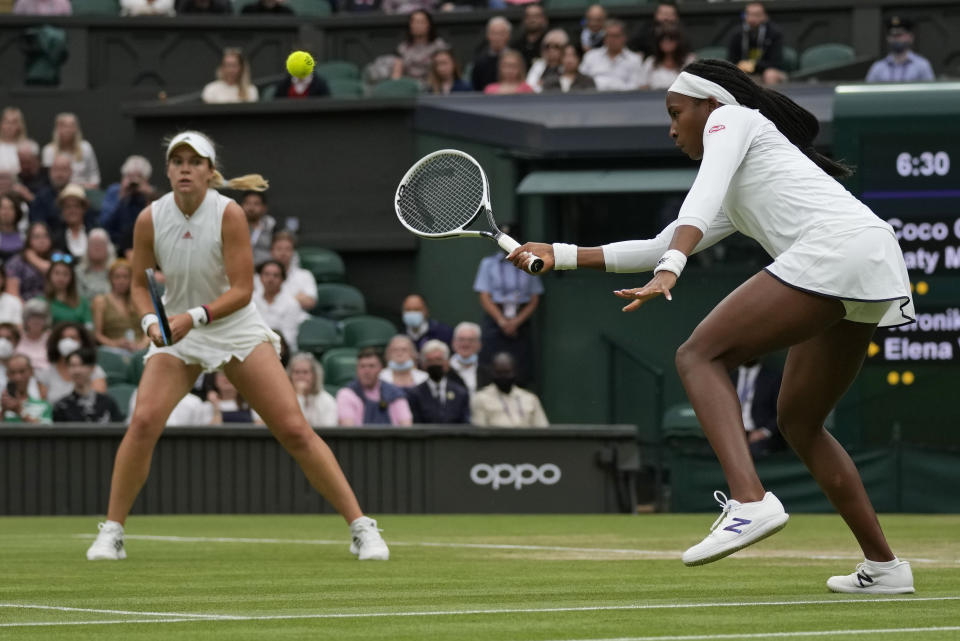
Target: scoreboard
{"type": "Point", "coordinates": [904, 144]}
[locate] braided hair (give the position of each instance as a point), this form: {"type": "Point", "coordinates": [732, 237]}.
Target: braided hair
{"type": "Point", "coordinates": [796, 123]}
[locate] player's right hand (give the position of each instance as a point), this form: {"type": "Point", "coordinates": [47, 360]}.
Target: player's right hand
{"type": "Point", "coordinates": [521, 255]}
{"type": "Point", "coordinates": [155, 335]}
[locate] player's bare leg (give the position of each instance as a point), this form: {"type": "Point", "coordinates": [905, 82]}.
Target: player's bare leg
{"type": "Point", "coordinates": [262, 381]}
{"type": "Point", "coordinates": [166, 379]}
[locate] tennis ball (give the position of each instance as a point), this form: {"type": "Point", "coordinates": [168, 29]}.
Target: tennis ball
{"type": "Point", "coordinates": [300, 64]}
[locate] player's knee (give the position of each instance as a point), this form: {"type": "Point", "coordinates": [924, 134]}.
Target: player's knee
{"type": "Point", "coordinates": [294, 435]}
{"type": "Point", "coordinates": [688, 356]}
{"type": "Point", "coordinates": [144, 428]}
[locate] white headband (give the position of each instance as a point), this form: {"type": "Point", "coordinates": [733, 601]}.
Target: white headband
{"type": "Point", "coordinates": [697, 87]}
{"type": "Point", "coordinates": [195, 141]}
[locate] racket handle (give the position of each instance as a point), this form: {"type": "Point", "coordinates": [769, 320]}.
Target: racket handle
{"type": "Point", "coordinates": [508, 244]}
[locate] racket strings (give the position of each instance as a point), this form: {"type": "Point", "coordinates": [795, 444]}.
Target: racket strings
{"type": "Point", "coordinates": [442, 195]}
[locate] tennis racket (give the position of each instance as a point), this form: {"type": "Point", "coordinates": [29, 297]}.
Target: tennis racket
{"type": "Point", "coordinates": [154, 289]}
{"type": "Point", "coordinates": [444, 193]}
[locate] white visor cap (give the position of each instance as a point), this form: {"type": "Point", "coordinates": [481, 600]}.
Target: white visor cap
{"type": "Point", "coordinates": [195, 141]}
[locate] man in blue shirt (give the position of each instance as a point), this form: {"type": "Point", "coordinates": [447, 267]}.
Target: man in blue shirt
{"type": "Point", "coordinates": [902, 64]}
{"type": "Point", "coordinates": [509, 297]}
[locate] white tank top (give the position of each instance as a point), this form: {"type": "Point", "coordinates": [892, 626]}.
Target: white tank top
{"type": "Point", "coordinates": [189, 251]}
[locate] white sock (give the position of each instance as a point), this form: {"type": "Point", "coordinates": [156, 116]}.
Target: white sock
{"type": "Point", "coordinates": [360, 520]}
{"type": "Point", "coordinates": [882, 565]}
{"type": "Point", "coordinates": [109, 523]}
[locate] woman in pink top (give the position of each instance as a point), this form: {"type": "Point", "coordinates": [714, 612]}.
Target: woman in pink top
{"type": "Point", "coordinates": [513, 72]}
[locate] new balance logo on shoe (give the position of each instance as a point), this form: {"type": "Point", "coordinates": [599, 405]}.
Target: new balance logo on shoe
{"type": "Point", "coordinates": [863, 576]}
{"type": "Point", "coordinates": [737, 523]}
{"type": "Point", "coordinates": [188, 235]}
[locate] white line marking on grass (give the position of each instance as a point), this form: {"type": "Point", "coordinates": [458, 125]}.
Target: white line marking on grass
{"type": "Point", "coordinates": [37, 624]}
{"type": "Point", "coordinates": [669, 554]}
{"type": "Point", "coordinates": [61, 608]}
{"type": "Point", "coordinates": [438, 613]}
{"type": "Point", "coordinates": [771, 635]}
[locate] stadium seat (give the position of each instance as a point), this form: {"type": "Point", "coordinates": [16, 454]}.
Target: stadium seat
{"type": "Point", "coordinates": [367, 331]}
{"type": "Point", "coordinates": [718, 52]}
{"type": "Point", "coordinates": [339, 366]}
{"type": "Point", "coordinates": [317, 335]}
{"type": "Point", "coordinates": [135, 368]}
{"type": "Point", "coordinates": [114, 364]}
{"type": "Point", "coordinates": [826, 55]}
{"type": "Point", "coordinates": [338, 301]}
{"type": "Point", "coordinates": [333, 69]}
{"type": "Point", "coordinates": [310, 7]}
{"type": "Point", "coordinates": [95, 197]}
{"type": "Point", "coordinates": [791, 59]}
{"type": "Point", "coordinates": [345, 88]}
{"type": "Point", "coordinates": [567, 4]}
{"type": "Point", "coordinates": [268, 92]}
{"type": "Point", "coordinates": [325, 264]}
{"type": "Point", "coordinates": [400, 87]}
{"type": "Point", "coordinates": [96, 7]}
{"type": "Point", "coordinates": [121, 393]}
{"type": "Point", "coordinates": [332, 389]}
{"type": "Point", "coordinates": [681, 430]}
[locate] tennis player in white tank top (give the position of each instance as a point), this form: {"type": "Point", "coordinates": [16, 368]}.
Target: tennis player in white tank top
{"type": "Point", "coordinates": [201, 242]}
{"type": "Point", "coordinates": [837, 273]}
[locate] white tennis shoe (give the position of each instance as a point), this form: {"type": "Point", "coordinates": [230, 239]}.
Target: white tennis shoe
{"type": "Point", "coordinates": [739, 525]}
{"type": "Point", "coordinates": [108, 546]}
{"type": "Point", "coordinates": [367, 544]}
{"type": "Point", "coordinates": [869, 579]}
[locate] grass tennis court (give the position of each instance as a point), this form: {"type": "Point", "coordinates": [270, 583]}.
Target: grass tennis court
{"type": "Point", "coordinates": [516, 578]}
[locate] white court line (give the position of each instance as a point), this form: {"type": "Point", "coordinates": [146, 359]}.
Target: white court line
{"type": "Point", "coordinates": [667, 554]}
{"type": "Point", "coordinates": [62, 608]}
{"type": "Point", "coordinates": [779, 635]}
{"type": "Point", "coordinates": [439, 613]}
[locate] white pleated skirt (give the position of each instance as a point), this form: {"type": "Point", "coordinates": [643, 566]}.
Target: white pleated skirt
{"type": "Point", "coordinates": [864, 270]}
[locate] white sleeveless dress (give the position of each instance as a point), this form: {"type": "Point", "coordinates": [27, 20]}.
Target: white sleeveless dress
{"type": "Point", "coordinates": [189, 251]}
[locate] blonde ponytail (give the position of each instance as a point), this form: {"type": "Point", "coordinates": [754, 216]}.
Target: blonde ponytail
{"type": "Point", "coordinates": [247, 182]}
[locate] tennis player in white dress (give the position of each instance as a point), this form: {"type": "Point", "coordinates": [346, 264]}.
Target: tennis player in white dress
{"type": "Point", "coordinates": [837, 274]}
{"type": "Point", "coordinates": [201, 241]}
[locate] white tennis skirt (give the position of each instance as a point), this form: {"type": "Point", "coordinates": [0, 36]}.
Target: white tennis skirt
{"type": "Point", "coordinates": [214, 345]}
{"type": "Point", "coordinates": [865, 270]}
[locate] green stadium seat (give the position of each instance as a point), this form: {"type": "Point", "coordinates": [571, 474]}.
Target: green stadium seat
{"type": "Point", "coordinates": [717, 52]}
{"type": "Point", "coordinates": [345, 88]}
{"type": "Point", "coordinates": [551, 5]}
{"type": "Point", "coordinates": [268, 92]}
{"type": "Point", "coordinates": [95, 197]}
{"type": "Point", "coordinates": [310, 7]}
{"type": "Point", "coordinates": [830, 54]}
{"type": "Point", "coordinates": [317, 335]}
{"type": "Point", "coordinates": [681, 430]}
{"type": "Point", "coordinates": [338, 301]}
{"type": "Point", "coordinates": [367, 331]}
{"type": "Point", "coordinates": [325, 264]}
{"type": "Point", "coordinates": [96, 7]}
{"type": "Point", "coordinates": [399, 88]}
{"type": "Point", "coordinates": [121, 393]}
{"type": "Point", "coordinates": [135, 368]}
{"type": "Point", "coordinates": [332, 389]}
{"type": "Point", "coordinates": [114, 364]}
{"type": "Point", "coordinates": [334, 69]}
{"type": "Point", "coordinates": [339, 366]}
{"type": "Point", "coordinates": [791, 59]}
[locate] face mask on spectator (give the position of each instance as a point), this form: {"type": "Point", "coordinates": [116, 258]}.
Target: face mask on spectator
{"type": "Point", "coordinates": [504, 383]}
{"type": "Point", "coordinates": [897, 46]}
{"type": "Point", "coordinates": [67, 346]}
{"type": "Point", "coordinates": [413, 319]}
{"type": "Point", "coordinates": [469, 360]}
{"type": "Point", "coordinates": [435, 372]}
{"type": "Point", "coordinates": [402, 366]}
{"type": "Point", "coordinates": [6, 348]}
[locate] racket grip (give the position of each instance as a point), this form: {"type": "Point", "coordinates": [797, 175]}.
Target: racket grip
{"type": "Point", "coordinates": [508, 244]}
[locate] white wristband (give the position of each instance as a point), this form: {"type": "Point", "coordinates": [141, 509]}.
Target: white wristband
{"type": "Point", "coordinates": [673, 260]}
{"type": "Point", "coordinates": [564, 256]}
{"type": "Point", "coordinates": [199, 316]}
{"type": "Point", "coordinates": [148, 320]}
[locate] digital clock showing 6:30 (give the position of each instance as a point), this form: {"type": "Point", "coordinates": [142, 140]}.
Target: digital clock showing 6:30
{"type": "Point", "coordinates": [902, 167]}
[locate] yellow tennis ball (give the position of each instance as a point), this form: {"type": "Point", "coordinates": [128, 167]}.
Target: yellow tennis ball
{"type": "Point", "coordinates": [300, 64]}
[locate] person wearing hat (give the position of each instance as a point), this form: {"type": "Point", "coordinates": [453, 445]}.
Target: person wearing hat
{"type": "Point", "coordinates": [201, 240]}
{"type": "Point", "coordinates": [901, 64]}
{"type": "Point", "coordinates": [77, 219]}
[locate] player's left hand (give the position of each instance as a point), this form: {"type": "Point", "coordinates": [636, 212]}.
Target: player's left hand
{"type": "Point", "coordinates": [521, 255]}
{"type": "Point", "coordinates": [180, 324]}
{"type": "Point", "coordinates": [660, 284]}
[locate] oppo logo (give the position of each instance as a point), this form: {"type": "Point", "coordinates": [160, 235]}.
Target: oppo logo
{"type": "Point", "coordinates": [505, 474]}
